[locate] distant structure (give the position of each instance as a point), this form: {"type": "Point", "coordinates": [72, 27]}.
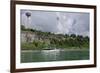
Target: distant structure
{"type": "Point", "coordinates": [28, 15]}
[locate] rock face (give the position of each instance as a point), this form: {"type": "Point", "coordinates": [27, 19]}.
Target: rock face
{"type": "Point", "coordinates": [28, 36]}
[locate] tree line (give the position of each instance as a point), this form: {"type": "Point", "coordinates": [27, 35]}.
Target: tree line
{"type": "Point", "coordinates": [51, 40]}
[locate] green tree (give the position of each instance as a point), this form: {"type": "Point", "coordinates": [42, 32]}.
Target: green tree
{"type": "Point", "coordinates": [73, 35]}
{"type": "Point", "coordinates": [23, 27]}
{"type": "Point", "coordinates": [80, 41]}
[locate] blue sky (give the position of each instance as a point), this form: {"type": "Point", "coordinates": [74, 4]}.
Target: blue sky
{"type": "Point", "coordinates": [57, 22]}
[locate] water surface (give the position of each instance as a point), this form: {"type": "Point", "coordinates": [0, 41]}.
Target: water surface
{"type": "Point", "coordinates": [53, 55]}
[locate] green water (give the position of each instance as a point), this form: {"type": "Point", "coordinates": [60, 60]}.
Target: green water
{"type": "Point", "coordinates": [50, 55]}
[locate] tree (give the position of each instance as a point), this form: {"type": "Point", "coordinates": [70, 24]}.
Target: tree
{"type": "Point", "coordinates": [66, 35]}
{"type": "Point", "coordinates": [80, 41]}
{"type": "Point", "coordinates": [23, 27]}
{"type": "Point", "coordinates": [86, 38]}
{"type": "Point", "coordinates": [73, 35]}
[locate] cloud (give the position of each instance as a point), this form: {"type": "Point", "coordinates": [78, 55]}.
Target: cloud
{"type": "Point", "coordinates": [57, 22]}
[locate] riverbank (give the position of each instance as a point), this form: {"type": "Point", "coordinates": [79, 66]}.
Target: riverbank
{"type": "Point", "coordinates": [56, 49]}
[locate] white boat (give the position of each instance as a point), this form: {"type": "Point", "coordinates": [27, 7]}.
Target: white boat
{"type": "Point", "coordinates": [51, 50]}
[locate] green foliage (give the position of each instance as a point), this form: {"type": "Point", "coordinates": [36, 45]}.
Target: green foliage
{"type": "Point", "coordinates": [27, 46]}
{"type": "Point", "coordinates": [51, 40]}
{"type": "Point", "coordinates": [23, 27]}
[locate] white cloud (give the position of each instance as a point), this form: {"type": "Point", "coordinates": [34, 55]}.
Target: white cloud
{"type": "Point", "coordinates": [57, 22]}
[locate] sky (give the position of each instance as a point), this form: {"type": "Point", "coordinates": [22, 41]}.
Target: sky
{"type": "Point", "coordinates": [57, 22]}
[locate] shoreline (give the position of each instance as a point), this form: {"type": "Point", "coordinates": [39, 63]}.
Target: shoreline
{"type": "Point", "coordinates": [56, 49]}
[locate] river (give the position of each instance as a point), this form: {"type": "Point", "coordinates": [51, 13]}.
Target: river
{"type": "Point", "coordinates": [53, 55]}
